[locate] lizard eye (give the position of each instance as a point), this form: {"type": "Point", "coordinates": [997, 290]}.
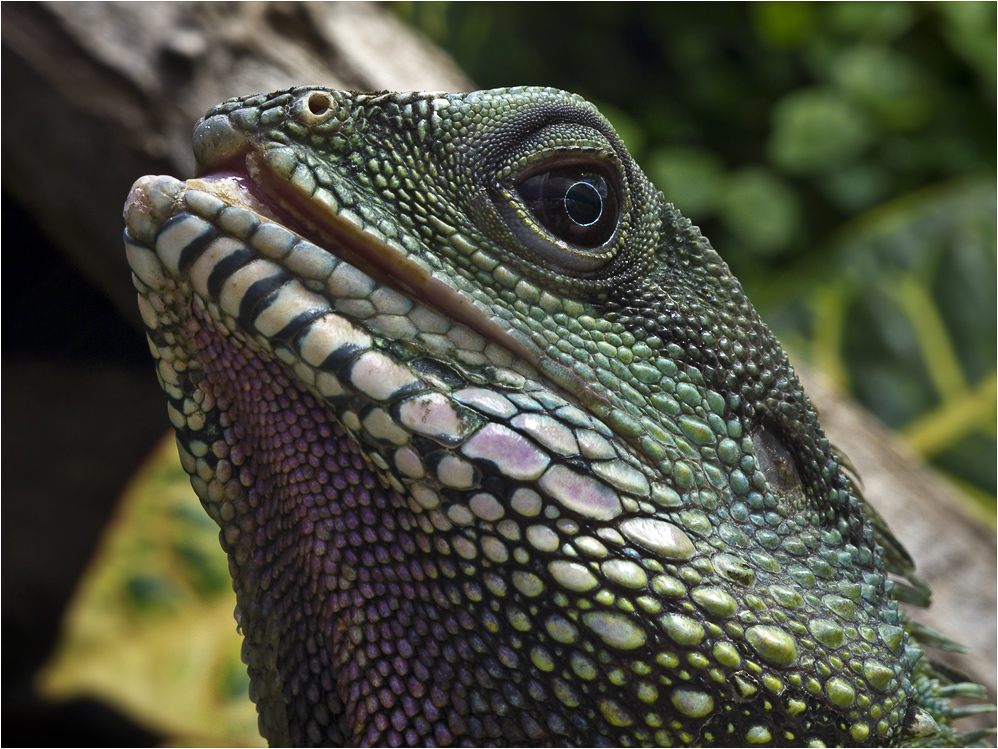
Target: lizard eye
{"type": "Point", "coordinates": [576, 203]}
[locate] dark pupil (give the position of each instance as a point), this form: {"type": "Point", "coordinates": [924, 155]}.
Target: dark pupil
{"type": "Point", "coordinates": [576, 204]}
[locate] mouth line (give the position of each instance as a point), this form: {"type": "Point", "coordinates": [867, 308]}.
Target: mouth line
{"type": "Point", "coordinates": [251, 182]}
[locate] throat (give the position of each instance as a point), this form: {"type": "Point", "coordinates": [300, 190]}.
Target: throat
{"type": "Point", "coordinates": [299, 508]}
{"type": "Point", "coordinates": [346, 605]}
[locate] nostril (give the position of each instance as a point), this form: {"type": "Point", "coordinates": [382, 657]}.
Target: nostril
{"type": "Point", "coordinates": [217, 140]}
{"type": "Point", "coordinates": [318, 103]}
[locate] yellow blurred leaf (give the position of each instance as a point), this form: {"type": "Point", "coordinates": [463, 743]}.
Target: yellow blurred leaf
{"type": "Point", "coordinates": [150, 630]}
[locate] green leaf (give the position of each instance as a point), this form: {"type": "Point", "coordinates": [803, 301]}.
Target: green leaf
{"type": "Point", "coordinates": [691, 178]}
{"type": "Point", "coordinates": [815, 130]}
{"type": "Point", "coordinates": [786, 24]}
{"type": "Point", "coordinates": [887, 84]}
{"type": "Point", "coordinates": [761, 210]}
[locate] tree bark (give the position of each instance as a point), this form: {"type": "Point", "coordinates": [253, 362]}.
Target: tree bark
{"type": "Point", "coordinates": [99, 94]}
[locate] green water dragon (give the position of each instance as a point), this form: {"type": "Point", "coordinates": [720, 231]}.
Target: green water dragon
{"type": "Point", "coordinates": [500, 452]}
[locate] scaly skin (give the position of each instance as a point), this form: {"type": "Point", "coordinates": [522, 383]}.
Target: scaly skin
{"type": "Point", "coordinates": [495, 471]}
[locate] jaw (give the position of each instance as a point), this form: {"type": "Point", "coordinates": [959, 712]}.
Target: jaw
{"type": "Point", "coordinates": [283, 408]}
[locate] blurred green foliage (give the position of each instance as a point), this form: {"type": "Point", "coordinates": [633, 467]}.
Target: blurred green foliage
{"type": "Point", "coordinates": [840, 156]}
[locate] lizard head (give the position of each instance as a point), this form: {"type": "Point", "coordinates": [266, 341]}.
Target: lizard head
{"type": "Point", "coordinates": [498, 448]}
